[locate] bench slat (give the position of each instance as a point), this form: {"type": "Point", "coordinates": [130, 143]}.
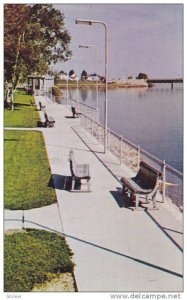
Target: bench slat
{"type": "Point", "coordinates": [82, 170]}
{"type": "Point", "coordinates": [134, 187]}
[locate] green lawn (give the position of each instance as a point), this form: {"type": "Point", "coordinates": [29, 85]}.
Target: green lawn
{"type": "Point", "coordinates": [24, 114]}
{"type": "Point", "coordinates": [26, 171]}
{"type": "Point", "coordinates": [30, 256]}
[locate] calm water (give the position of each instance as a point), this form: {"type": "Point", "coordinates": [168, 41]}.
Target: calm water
{"type": "Point", "coordinates": [152, 118]}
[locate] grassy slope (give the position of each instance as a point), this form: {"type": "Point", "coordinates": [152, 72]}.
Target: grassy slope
{"type": "Point", "coordinates": [23, 115]}
{"type": "Point", "coordinates": [26, 171]}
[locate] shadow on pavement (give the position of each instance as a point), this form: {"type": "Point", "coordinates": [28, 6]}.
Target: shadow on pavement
{"type": "Point", "coordinates": [135, 259]}
{"type": "Point", "coordinates": [164, 230]}
{"type": "Point", "coordinates": [60, 182]}
{"type": "Point", "coordinates": [122, 200]}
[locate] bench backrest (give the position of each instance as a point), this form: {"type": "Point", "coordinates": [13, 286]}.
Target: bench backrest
{"type": "Point", "coordinates": [40, 105]}
{"type": "Point", "coordinates": [73, 109]}
{"type": "Point", "coordinates": [46, 117]}
{"type": "Point", "coordinates": [72, 162]}
{"type": "Point", "coordinates": [147, 176]}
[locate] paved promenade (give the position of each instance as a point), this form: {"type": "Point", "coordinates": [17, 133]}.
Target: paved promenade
{"type": "Point", "coordinates": [115, 249]}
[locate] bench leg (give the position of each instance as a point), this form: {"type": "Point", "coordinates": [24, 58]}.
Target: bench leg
{"type": "Point", "coordinates": [88, 185]}
{"type": "Point", "coordinates": [136, 200]}
{"type": "Point", "coordinates": [77, 184]}
{"type": "Point", "coordinates": [137, 208]}
{"type": "Point", "coordinates": [147, 199]}
{"type": "Point", "coordinates": [124, 190]}
{"type": "Point", "coordinates": [73, 184]}
{"type": "Point", "coordinates": [154, 199]}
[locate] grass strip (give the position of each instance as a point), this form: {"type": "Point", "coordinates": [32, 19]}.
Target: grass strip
{"type": "Point", "coordinates": [26, 171]}
{"type": "Point", "coordinates": [29, 257]}
{"type": "Point", "coordinates": [24, 114]}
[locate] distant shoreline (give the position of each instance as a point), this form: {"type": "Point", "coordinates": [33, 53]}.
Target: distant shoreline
{"type": "Point", "coordinates": [130, 83]}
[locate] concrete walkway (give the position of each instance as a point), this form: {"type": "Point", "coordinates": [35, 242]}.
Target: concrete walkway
{"type": "Point", "coordinates": [115, 249]}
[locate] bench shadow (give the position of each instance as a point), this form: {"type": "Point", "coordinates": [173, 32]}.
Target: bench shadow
{"type": "Point", "coordinates": [11, 140]}
{"type": "Point", "coordinates": [60, 182]}
{"type": "Point", "coordinates": [63, 182]}
{"type": "Point", "coordinates": [122, 200]}
{"type": "Point", "coordinates": [70, 117]}
{"type": "Point", "coordinates": [17, 104]}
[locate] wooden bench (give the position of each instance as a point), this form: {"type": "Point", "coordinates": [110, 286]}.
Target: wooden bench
{"type": "Point", "coordinates": [79, 173]}
{"type": "Point", "coordinates": [49, 121]}
{"type": "Point", "coordinates": [41, 107]}
{"type": "Point", "coordinates": [145, 183]}
{"type": "Point", "coordinates": [75, 113]}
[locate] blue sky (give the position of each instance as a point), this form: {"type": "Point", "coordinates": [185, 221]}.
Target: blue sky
{"type": "Point", "coordinates": [141, 38]}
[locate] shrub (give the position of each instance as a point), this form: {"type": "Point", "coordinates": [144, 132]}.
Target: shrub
{"type": "Point", "coordinates": [56, 91]}
{"type": "Point", "coordinates": [30, 255]}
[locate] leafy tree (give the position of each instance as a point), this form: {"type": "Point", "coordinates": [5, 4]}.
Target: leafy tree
{"type": "Point", "coordinates": [34, 37]}
{"type": "Point", "coordinates": [71, 72]}
{"type": "Point", "coordinates": [15, 25]}
{"type": "Point", "coordinates": [62, 72]}
{"type": "Point", "coordinates": [55, 74]}
{"type": "Point", "coordinates": [84, 75]}
{"type": "Point", "coordinates": [142, 76]}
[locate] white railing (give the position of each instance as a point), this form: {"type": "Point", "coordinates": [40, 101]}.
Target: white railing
{"type": "Point", "coordinates": [129, 153]}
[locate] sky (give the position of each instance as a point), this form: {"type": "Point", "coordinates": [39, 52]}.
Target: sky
{"type": "Point", "coordinates": [144, 38]}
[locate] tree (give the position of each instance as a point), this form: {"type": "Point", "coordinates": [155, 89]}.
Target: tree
{"type": "Point", "coordinates": [15, 25]}
{"type": "Point", "coordinates": [34, 37]}
{"type": "Point", "coordinates": [62, 72]}
{"type": "Point", "coordinates": [71, 72]}
{"type": "Point", "coordinates": [84, 75]}
{"type": "Point", "coordinates": [142, 76]}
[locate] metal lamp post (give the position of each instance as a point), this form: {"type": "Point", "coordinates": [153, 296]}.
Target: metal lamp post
{"type": "Point", "coordinates": [67, 89]}
{"type": "Point", "coordinates": [77, 78]}
{"type": "Point", "coordinates": [95, 47]}
{"type": "Point", "coordinates": [91, 22]}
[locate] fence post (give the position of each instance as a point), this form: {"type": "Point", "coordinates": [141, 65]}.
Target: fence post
{"type": "Point", "coordinates": [109, 139]}
{"type": "Point", "coordinates": [138, 158]}
{"type": "Point", "coordinates": [85, 122]}
{"type": "Point", "coordinates": [23, 220]}
{"type": "Point", "coordinates": [99, 138]}
{"type": "Point", "coordinates": [91, 127]}
{"type": "Point", "coordinates": [81, 120]}
{"type": "Point", "coordinates": [164, 180]}
{"type": "Point", "coordinates": [121, 148]}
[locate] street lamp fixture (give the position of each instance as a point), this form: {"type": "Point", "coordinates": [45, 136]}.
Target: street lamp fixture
{"type": "Point", "coordinates": [91, 22]}
{"type": "Point", "coordinates": [82, 46]}
{"type": "Point", "coordinates": [83, 22]}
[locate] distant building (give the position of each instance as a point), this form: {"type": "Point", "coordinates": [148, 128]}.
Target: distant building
{"type": "Point", "coordinates": [39, 83]}
{"type": "Point", "coordinates": [74, 77]}
{"type": "Point", "coordinates": [63, 76]}
{"type": "Point", "coordinates": [92, 78]}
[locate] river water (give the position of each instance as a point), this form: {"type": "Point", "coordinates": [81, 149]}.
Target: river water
{"type": "Point", "coordinates": [149, 117]}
